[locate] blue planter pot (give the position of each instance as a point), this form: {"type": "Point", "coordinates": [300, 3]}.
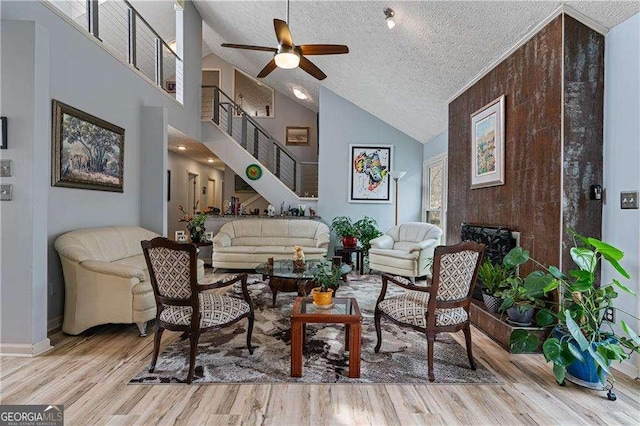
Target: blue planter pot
{"type": "Point", "coordinates": [583, 373]}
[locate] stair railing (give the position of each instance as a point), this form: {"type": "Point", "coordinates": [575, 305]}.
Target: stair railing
{"type": "Point", "coordinates": [250, 135]}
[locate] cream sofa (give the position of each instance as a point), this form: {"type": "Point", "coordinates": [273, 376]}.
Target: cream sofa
{"type": "Point", "coordinates": [245, 243]}
{"type": "Point", "coordinates": [406, 250]}
{"type": "Point", "coordinates": [106, 277]}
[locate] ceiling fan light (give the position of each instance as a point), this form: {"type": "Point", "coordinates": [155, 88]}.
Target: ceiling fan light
{"type": "Point", "coordinates": [300, 94]}
{"type": "Point", "coordinates": [390, 23]}
{"type": "Point", "coordinates": [287, 60]}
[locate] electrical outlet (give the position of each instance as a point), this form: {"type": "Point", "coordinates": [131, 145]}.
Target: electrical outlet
{"type": "Point", "coordinates": [609, 315]}
{"type": "Point", "coordinates": [629, 200]}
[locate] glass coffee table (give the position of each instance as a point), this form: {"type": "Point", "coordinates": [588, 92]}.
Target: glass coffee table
{"type": "Point", "coordinates": [345, 311]}
{"type": "Point", "coordinates": [284, 277]}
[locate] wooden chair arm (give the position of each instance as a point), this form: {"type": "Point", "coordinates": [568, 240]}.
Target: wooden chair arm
{"type": "Point", "coordinates": [221, 284]}
{"type": "Point", "coordinates": [407, 284]}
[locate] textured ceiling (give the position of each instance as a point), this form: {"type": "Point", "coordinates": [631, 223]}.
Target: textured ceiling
{"type": "Point", "coordinates": [195, 150]}
{"type": "Point", "coordinates": [404, 76]}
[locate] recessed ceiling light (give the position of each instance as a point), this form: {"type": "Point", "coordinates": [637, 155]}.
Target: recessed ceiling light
{"type": "Point", "coordinates": [389, 14]}
{"type": "Point", "coordinates": [182, 147]}
{"type": "Point", "coordinates": [211, 160]}
{"type": "Point", "coordinates": [299, 94]}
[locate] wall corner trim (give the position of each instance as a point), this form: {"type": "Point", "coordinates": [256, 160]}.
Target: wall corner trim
{"type": "Point", "coordinates": [579, 16]}
{"type": "Point", "coordinates": [25, 350]}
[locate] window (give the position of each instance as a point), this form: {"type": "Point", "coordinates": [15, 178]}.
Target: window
{"type": "Point", "coordinates": [434, 192]}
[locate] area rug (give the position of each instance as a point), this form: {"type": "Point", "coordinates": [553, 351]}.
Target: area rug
{"type": "Point", "coordinates": [223, 356]}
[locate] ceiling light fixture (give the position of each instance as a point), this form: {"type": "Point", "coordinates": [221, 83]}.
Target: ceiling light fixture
{"type": "Point", "coordinates": [182, 147]}
{"type": "Point", "coordinates": [389, 14]}
{"type": "Point", "coordinates": [300, 94]}
{"type": "Point", "coordinates": [287, 58]}
{"type": "Point", "coordinates": [211, 160]}
{"type": "Point", "coordinates": [173, 45]}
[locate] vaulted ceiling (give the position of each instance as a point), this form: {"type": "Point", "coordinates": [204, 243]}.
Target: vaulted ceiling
{"type": "Point", "coordinates": [405, 75]}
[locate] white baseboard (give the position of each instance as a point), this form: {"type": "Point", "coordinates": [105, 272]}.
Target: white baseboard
{"type": "Point", "coordinates": [54, 323]}
{"type": "Point", "coordinates": [626, 367]}
{"type": "Point", "coordinates": [25, 349]}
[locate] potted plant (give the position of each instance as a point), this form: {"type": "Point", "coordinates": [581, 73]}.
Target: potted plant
{"type": "Point", "coordinates": [366, 230]}
{"type": "Point", "coordinates": [195, 224]}
{"type": "Point", "coordinates": [344, 228]}
{"type": "Point", "coordinates": [494, 278]}
{"type": "Point", "coordinates": [582, 346]}
{"type": "Point", "coordinates": [520, 299]}
{"type": "Point", "coordinates": [328, 275]}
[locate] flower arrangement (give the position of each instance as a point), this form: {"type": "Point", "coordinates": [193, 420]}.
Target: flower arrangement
{"type": "Point", "coordinates": [195, 224]}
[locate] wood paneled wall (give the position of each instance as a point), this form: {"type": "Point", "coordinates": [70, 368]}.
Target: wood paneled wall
{"type": "Point", "coordinates": [540, 195]}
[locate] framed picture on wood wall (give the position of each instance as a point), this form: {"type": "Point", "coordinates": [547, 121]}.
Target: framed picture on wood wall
{"type": "Point", "coordinates": [87, 152]}
{"type": "Point", "coordinates": [369, 175]}
{"type": "Point", "coordinates": [487, 145]}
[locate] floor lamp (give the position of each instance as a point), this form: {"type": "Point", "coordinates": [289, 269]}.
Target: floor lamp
{"type": "Point", "coordinates": [396, 176]}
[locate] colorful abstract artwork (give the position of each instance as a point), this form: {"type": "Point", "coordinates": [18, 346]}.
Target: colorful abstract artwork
{"type": "Point", "coordinates": [487, 138]}
{"type": "Point", "coordinates": [369, 177]}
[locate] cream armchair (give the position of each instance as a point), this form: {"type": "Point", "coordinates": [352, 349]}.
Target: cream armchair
{"type": "Point", "coordinates": [406, 250]}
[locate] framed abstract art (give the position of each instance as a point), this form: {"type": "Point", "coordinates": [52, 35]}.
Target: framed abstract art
{"type": "Point", "coordinates": [369, 175]}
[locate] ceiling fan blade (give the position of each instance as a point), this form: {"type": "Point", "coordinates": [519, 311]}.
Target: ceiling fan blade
{"type": "Point", "coordinates": [268, 68]}
{"type": "Point", "coordinates": [323, 49]}
{"type": "Point", "coordinates": [310, 67]}
{"type": "Point", "coordinates": [282, 32]}
{"type": "Point", "coordinates": [247, 47]}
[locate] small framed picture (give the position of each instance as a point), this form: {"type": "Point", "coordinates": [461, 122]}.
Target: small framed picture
{"type": "Point", "coordinates": [3, 132]}
{"type": "Point", "coordinates": [170, 86]}
{"type": "Point", "coordinates": [208, 235]}
{"type": "Point", "coordinates": [181, 237]}
{"type": "Point", "coordinates": [297, 135]}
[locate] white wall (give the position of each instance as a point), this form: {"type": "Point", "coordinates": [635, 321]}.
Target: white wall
{"type": "Point", "coordinates": [343, 123]}
{"type": "Point", "coordinates": [23, 257]}
{"type": "Point", "coordinates": [436, 146]}
{"type": "Point", "coordinates": [287, 112]}
{"type": "Point", "coordinates": [82, 74]}
{"type": "Point", "coordinates": [622, 156]}
{"type": "Point", "coordinates": [180, 167]}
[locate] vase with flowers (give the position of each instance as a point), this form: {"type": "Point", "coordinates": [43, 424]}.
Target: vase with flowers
{"type": "Point", "coordinates": [195, 224]}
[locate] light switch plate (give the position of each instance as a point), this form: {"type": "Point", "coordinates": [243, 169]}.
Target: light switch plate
{"type": "Point", "coordinates": [629, 199]}
{"type": "Point", "coordinates": [6, 192]}
{"type": "Point", "coordinates": [6, 168]}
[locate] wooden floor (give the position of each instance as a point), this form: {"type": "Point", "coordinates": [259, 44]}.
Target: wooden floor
{"type": "Point", "coordinates": [89, 375]}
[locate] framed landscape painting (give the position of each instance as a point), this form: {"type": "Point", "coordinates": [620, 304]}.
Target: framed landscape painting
{"type": "Point", "coordinates": [87, 152]}
{"type": "Point", "coordinates": [297, 135]}
{"type": "Point", "coordinates": [487, 145]}
{"type": "Point", "coordinates": [369, 175]}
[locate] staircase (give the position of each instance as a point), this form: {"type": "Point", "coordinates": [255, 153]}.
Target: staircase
{"type": "Point", "coordinates": [239, 141]}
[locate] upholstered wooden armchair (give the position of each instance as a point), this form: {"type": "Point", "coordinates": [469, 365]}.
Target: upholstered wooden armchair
{"type": "Point", "coordinates": [442, 306]}
{"type": "Point", "coordinates": [181, 303]}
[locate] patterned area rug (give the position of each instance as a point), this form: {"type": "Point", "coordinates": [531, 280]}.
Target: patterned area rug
{"type": "Point", "coordinates": [223, 356]}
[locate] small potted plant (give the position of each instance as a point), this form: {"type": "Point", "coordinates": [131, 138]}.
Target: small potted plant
{"type": "Point", "coordinates": [583, 345]}
{"type": "Point", "coordinates": [195, 224]}
{"type": "Point", "coordinates": [520, 300]}
{"type": "Point", "coordinates": [493, 277]}
{"type": "Point", "coordinates": [344, 228]}
{"type": "Point", "coordinates": [366, 230]}
{"type": "Point", "coordinates": [328, 275]}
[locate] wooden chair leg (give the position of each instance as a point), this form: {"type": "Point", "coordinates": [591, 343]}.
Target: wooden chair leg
{"type": "Point", "coordinates": [156, 348]}
{"type": "Point", "coordinates": [467, 338]}
{"type": "Point", "coordinates": [249, 332]}
{"type": "Point", "coordinates": [193, 338]}
{"type": "Point", "coordinates": [430, 339]}
{"type": "Point", "coordinates": [376, 318]}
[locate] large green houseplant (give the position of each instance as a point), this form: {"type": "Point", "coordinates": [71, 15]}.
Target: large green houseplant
{"type": "Point", "coordinates": [581, 338]}
{"type": "Point", "coordinates": [366, 230]}
{"type": "Point", "coordinates": [344, 228]}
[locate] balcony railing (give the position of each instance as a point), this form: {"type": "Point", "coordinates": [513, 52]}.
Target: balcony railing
{"type": "Point", "coordinates": [300, 177]}
{"type": "Point", "coordinates": [118, 25]}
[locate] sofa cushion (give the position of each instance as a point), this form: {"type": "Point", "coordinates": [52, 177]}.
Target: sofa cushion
{"type": "Point", "coordinates": [105, 244]}
{"type": "Point", "coordinates": [396, 254]}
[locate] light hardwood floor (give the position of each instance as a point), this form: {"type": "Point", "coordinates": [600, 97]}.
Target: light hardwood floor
{"type": "Point", "coordinates": [89, 375]}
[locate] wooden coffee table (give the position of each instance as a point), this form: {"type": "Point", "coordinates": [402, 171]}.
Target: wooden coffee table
{"type": "Point", "coordinates": [284, 277]}
{"type": "Point", "coordinates": [345, 311]}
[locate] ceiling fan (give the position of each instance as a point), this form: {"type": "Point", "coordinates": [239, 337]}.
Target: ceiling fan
{"type": "Point", "coordinates": [288, 56]}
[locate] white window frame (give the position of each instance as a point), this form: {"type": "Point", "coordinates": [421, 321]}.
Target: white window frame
{"type": "Point", "coordinates": [427, 164]}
